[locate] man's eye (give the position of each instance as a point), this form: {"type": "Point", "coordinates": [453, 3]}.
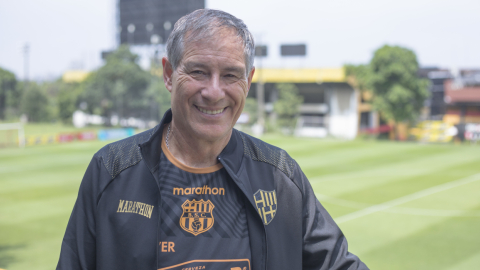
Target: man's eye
{"type": "Point", "coordinates": [199, 72]}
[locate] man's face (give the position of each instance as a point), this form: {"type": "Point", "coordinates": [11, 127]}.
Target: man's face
{"type": "Point", "coordinates": [209, 87]}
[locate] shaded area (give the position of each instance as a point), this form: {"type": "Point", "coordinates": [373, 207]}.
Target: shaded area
{"type": "Point", "coordinates": [5, 258]}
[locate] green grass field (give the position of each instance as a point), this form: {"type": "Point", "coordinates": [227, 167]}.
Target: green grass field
{"type": "Point", "coordinates": [401, 205]}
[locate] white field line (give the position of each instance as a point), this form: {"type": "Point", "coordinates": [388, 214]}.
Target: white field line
{"type": "Point", "coordinates": [434, 212]}
{"type": "Point", "coordinates": [401, 210]}
{"type": "Point", "coordinates": [408, 198]}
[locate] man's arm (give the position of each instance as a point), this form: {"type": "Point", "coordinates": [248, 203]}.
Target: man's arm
{"type": "Point", "coordinates": [78, 245]}
{"type": "Point", "coordinates": [324, 245]}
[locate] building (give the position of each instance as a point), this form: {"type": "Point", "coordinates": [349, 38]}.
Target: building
{"type": "Point", "coordinates": [436, 102]}
{"type": "Point", "coordinates": [462, 98]}
{"type": "Point", "coordinates": [330, 105]}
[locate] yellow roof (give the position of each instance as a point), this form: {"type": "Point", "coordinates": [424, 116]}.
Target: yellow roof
{"type": "Point", "coordinates": [75, 76]}
{"type": "Point", "coordinates": [268, 75]}
{"type": "Point", "coordinates": [301, 75]}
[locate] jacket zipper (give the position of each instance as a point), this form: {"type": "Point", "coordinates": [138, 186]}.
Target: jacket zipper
{"type": "Point", "coordinates": [229, 171]}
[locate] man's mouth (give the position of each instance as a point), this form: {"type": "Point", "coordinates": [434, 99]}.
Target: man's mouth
{"type": "Point", "coordinates": [210, 112]}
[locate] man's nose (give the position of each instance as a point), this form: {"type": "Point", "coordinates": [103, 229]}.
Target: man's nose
{"type": "Point", "coordinates": [213, 91]}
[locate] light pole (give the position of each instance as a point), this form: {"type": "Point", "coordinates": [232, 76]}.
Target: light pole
{"type": "Point", "coordinates": [26, 50]}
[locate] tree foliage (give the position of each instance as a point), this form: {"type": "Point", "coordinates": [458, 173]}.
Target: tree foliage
{"type": "Point", "coordinates": [119, 87]}
{"type": "Point", "coordinates": [398, 93]}
{"type": "Point", "coordinates": [158, 97]}
{"type": "Point", "coordinates": [358, 76]}
{"type": "Point", "coordinates": [36, 104]}
{"type": "Point", "coordinates": [287, 107]}
{"type": "Point", "coordinates": [67, 100]}
{"type": "Point", "coordinates": [7, 87]}
{"type": "Point", "coordinates": [251, 108]}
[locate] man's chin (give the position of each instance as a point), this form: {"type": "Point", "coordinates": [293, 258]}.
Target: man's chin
{"type": "Point", "coordinates": [212, 133]}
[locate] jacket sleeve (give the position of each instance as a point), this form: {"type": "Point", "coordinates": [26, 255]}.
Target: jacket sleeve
{"type": "Point", "coordinates": [324, 245]}
{"type": "Point", "coordinates": [78, 245]}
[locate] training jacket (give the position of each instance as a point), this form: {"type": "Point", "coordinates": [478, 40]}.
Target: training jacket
{"type": "Point", "coordinates": [301, 234]}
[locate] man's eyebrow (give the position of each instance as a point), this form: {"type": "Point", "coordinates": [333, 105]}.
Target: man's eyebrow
{"type": "Point", "coordinates": [235, 69]}
{"type": "Point", "coordinates": [193, 65]}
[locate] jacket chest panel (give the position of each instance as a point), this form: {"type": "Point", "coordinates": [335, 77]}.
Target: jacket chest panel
{"type": "Point", "coordinates": [272, 191]}
{"type": "Point", "coordinates": [127, 219]}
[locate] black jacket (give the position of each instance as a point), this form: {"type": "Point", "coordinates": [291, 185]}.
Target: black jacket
{"type": "Point", "coordinates": [302, 235]}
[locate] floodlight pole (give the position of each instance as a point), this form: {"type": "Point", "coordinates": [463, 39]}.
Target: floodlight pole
{"type": "Point", "coordinates": [26, 50]}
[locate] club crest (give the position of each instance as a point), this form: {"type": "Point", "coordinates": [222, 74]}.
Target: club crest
{"type": "Point", "coordinates": [266, 203]}
{"type": "Point", "coordinates": [197, 216]}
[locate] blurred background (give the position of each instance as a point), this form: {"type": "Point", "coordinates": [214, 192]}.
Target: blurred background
{"type": "Point", "coordinates": [378, 101]}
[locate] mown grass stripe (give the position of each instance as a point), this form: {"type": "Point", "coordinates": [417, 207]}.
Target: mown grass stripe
{"type": "Point", "coordinates": [401, 210]}
{"type": "Point", "coordinates": [407, 198]}
{"type": "Point", "coordinates": [440, 245]}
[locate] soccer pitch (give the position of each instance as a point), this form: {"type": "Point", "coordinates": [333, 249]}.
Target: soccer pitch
{"type": "Point", "coordinates": [401, 205]}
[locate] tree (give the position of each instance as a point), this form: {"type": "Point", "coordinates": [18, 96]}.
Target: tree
{"type": "Point", "coordinates": [35, 104]}
{"type": "Point", "coordinates": [67, 100]}
{"type": "Point", "coordinates": [158, 96]}
{"type": "Point", "coordinates": [359, 76]}
{"type": "Point", "coordinates": [119, 87]}
{"type": "Point", "coordinates": [7, 85]}
{"type": "Point", "coordinates": [398, 93]}
{"type": "Point", "coordinates": [251, 107]}
{"type": "Point", "coordinates": [287, 107]}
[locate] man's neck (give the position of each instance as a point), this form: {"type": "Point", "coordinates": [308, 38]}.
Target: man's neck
{"type": "Point", "coordinates": [192, 151]}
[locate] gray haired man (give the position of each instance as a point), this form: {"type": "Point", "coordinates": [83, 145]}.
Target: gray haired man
{"type": "Point", "coordinates": [194, 193]}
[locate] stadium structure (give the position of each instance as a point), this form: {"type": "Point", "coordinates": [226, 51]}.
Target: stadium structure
{"type": "Point", "coordinates": [332, 107]}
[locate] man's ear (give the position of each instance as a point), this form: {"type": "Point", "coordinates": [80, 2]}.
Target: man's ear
{"type": "Point", "coordinates": [167, 74]}
{"type": "Point", "coordinates": [249, 79]}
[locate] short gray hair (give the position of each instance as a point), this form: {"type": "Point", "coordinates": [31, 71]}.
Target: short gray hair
{"type": "Point", "coordinates": [204, 23]}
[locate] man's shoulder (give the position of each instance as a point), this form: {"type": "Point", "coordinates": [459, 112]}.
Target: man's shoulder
{"type": "Point", "coordinates": [120, 155]}
{"type": "Point", "coordinates": [259, 150]}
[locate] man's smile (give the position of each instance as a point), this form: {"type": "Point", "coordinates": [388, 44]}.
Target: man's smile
{"type": "Point", "coordinates": [211, 112]}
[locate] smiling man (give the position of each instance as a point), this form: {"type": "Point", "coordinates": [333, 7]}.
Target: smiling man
{"type": "Point", "coordinates": [209, 86]}
{"type": "Point", "coordinates": [194, 193]}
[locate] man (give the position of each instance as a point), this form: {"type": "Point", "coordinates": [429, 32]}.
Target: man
{"type": "Point", "coordinates": [194, 193]}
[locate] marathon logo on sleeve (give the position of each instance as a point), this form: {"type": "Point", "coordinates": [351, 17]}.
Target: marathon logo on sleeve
{"type": "Point", "coordinates": [135, 208]}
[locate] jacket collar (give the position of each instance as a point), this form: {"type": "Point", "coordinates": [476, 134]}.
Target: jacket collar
{"type": "Point", "coordinates": [151, 149]}
{"type": "Point", "coordinates": [231, 155]}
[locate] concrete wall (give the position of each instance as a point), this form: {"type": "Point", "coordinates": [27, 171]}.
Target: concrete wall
{"type": "Point", "coordinates": [343, 116]}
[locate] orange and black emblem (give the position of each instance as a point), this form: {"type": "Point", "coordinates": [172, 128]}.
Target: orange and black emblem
{"type": "Point", "coordinates": [266, 203]}
{"type": "Point", "coordinates": [197, 216]}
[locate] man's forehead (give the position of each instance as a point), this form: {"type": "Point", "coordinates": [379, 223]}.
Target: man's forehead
{"type": "Point", "coordinates": [225, 40]}
{"type": "Point", "coordinates": [214, 33]}
{"type": "Point", "coordinates": [214, 37]}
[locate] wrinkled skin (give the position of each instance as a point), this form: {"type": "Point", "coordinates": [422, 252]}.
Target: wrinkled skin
{"type": "Point", "coordinates": [210, 77]}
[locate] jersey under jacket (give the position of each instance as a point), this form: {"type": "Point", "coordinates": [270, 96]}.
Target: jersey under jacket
{"type": "Point", "coordinates": [300, 234]}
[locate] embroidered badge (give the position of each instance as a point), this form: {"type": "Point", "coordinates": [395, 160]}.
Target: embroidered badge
{"type": "Point", "coordinates": [197, 216]}
{"type": "Point", "coordinates": [266, 202]}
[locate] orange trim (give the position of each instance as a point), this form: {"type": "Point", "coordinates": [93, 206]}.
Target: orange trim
{"type": "Point", "coordinates": [236, 260]}
{"type": "Point", "coordinates": [184, 167]}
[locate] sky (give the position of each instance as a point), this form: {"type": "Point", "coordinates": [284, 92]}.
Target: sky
{"type": "Point", "coordinates": [70, 34]}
